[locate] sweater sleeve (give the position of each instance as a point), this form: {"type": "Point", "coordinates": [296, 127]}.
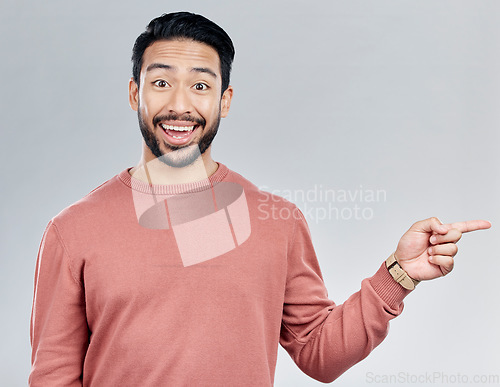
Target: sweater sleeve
{"type": "Point", "coordinates": [59, 332]}
{"type": "Point", "coordinates": [325, 339]}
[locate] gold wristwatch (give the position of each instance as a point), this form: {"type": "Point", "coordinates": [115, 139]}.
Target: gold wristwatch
{"type": "Point", "coordinates": [399, 275]}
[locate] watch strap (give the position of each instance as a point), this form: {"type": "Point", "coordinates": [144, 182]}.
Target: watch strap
{"type": "Point", "coordinates": [399, 275]}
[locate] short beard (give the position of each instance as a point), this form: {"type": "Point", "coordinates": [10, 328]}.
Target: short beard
{"type": "Point", "coordinates": [179, 156]}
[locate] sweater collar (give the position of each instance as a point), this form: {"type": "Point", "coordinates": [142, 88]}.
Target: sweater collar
{"type": "Point", "coordinates": [172, 189]}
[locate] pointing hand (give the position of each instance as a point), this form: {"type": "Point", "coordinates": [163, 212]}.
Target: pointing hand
{"type": "Point", "coordinates": [427, 249]}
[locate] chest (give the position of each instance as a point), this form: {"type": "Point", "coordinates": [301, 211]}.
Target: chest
{"type": "Point", "coordinates": [145, 270]}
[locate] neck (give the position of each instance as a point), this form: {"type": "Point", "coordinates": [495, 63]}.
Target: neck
{"type": "Point", "coordinates": [154, 171]}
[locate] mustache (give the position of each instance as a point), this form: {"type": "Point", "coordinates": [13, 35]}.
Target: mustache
{"type": "Point", "coordinates": [175, 117]}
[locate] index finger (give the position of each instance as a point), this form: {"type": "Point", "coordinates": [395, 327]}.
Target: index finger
{"type": "Point", "coordinates": [470, 225]}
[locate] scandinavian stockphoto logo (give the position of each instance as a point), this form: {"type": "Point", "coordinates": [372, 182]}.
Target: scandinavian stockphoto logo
{"type": "Point", "coordinates": [217, 215]}
{"type": "Point", "coordinates": [320, 203]}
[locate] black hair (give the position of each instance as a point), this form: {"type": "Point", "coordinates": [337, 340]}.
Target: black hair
{"type": "Point", "coordinates": [185, 25]}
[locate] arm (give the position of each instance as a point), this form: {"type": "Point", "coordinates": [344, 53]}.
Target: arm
{"type": "Point", "coordinates": [325, 339]}
{"type": "Point", "coordinates": [59, 332]}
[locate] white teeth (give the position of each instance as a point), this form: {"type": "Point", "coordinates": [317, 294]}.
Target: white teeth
{"type": "Point", "coordinates": [177, 128]}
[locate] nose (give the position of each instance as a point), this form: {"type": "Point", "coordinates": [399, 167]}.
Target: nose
{"type": "Point", "coordinates": [179, 101]}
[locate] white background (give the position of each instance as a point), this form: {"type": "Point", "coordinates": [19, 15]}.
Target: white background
{"type": "Point", "coordinates": [399, 96]}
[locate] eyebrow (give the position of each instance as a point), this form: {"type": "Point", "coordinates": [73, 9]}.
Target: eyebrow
{"type": "Point", "coordinates": [153, 66]}
{"type": "Point", "coordinates": [205, 70]}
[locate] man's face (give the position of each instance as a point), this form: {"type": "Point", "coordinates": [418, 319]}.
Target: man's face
{"type": "Point", "coordinates": [179, 102]}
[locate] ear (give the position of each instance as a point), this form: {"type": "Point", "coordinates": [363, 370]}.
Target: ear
{"type": "Point", "coordinates": [225, 102]}
{"type": "Point", "coordinates": [133, 94]}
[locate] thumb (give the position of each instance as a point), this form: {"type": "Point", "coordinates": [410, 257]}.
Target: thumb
{"type": "Point", "coordinates": [430, 225]}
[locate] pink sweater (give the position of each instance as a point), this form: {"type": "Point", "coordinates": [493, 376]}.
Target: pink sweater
{"type": "Point", "coordinates": [123, 300]}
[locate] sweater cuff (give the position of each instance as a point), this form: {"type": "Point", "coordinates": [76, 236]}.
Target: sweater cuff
{"type": "Point", "coordinates": [387, 288]}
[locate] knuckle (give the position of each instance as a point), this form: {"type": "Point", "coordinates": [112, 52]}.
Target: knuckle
{"type": "Point", "coordinates": [449, 266]}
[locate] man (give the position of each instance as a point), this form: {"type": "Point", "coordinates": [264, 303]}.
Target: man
{"type": "Point", "coordinates": [167, 274]}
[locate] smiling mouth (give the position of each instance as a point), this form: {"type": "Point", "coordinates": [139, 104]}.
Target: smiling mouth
{"type": "Point", "coordinates": [179, 135]}
{"type": "Point", "coordinates": [178, 132]}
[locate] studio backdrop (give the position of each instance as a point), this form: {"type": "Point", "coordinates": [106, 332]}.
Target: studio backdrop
{"type": "Point", "coordinates": [369, 115]}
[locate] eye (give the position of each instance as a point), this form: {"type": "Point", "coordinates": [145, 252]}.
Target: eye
{"type": "Point", "coordinates": [201, 86]}
{"type": "Point", "coordinates": [160, 83]}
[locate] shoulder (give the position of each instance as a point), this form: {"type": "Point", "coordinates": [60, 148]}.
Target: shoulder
{"type": "Point", "coordinates": [269, 209]}
{"type": "Point", "coordinates": [95, 202]}
{"type": "Point", "coordinates": [261, 194]}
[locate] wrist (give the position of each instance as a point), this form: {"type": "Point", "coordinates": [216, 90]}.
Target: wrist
{"type": "Point", "coordinates": [399, 275]}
